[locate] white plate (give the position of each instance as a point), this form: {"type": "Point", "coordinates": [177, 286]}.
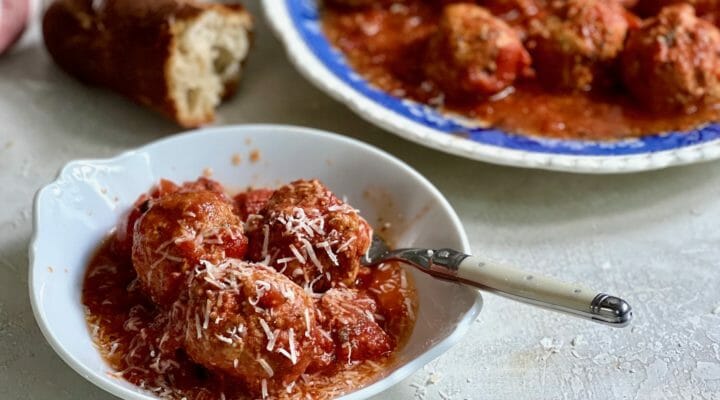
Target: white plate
{"type": "Point", "coordinates": [297, 24]}
{"type": "Point", "coordinates": [74, 213]}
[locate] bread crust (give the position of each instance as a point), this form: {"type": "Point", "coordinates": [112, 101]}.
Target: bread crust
{"type": "Point", "coordinates": [127, 46]}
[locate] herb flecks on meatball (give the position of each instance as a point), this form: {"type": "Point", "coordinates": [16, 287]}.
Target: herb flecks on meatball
{"type": "Point", "coordinates": [519, 14]}
{"type": "Point", "coordinates": [576, 47]}
{"type": "Point", "coordinates": [474, 53]}
{"type": "Point", "coordinates": [177, 231]}
{"type": "Point", "coordinates": [307, 233]}
{"type": "Point", "coordinates": [672, 62]}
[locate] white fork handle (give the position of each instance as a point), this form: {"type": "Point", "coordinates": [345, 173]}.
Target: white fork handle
{"type": "Point", "coordinates": [543, 291]}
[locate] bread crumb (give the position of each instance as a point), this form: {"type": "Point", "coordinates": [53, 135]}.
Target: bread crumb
{"type": "Point", "coordinates": [254, 156]}
{"type": "Point", "coordinates": [236, 159]}
{"type": "Point", "coordinates": [207, 172]}
{"type": "Point", "coordinates": [551, 345]}
{"type": "Point", "coordinates": [50, 269]}
{"type": "Point", "coordinates": [103, 190]}
{"type": "Point", "coordinates": [577, 340]}
{"type": "Point", "coordinates": [433, 378]}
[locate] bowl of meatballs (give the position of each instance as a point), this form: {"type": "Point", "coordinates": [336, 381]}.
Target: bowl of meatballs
{"type": "Point", "coordinates": [218, 265]}
{"type": "Point", "coordinates": [589, 86]}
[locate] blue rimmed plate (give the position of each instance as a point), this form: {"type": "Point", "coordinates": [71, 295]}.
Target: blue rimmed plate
{"type": "Point", "coordinates": [297, 24]}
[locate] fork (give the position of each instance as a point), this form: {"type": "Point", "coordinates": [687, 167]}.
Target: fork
{"type": "Point", "coordinates": [546, 292]}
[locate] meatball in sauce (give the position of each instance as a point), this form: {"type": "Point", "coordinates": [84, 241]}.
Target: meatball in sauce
{"type": "Point", "coordinates": [577, 45]}
{"type": "Point", "coordinates": [310, 235]}
{"type": "Point", "coordinates": [177, 231]}
{"type": "Point", "coordinates": [474, 53]}
{"type": "Point", "coordinates": [673, 61]}
{"type": "Point", "coordinates": [248, 321]}
{"type": "Point", "coordinates": [459, 58]}
{"type": "Point", "coordinates": [183, 304]}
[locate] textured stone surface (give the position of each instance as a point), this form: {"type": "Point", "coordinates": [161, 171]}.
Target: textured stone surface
{"type": "Point", "coordinates": [651, 238]}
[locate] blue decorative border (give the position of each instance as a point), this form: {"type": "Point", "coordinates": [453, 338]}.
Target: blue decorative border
{"type": "Point", "coordinates": [306, 20]}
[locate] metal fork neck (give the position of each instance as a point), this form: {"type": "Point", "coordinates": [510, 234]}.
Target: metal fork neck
{"type": "Point", "coordinates": [443, 263]}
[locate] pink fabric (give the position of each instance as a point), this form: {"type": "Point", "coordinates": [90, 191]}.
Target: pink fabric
{"type": "Point", "coordinates": [13, 18]}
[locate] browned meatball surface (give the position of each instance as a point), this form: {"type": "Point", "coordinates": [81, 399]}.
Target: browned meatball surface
{"type": "Point", "coordinates": [651, 8]}
{"type": "Point", "coordinates": [177, 231]}
{"type": "Point", "coordinates": [577, 46]}
{"type": "Point", "coordinates": [348, 317]}
{"type": "Point", "coordinates": [673, 61]}
{"type": "Point", "coordinates": [362, 3]}
{"type": "Point", "coordinates": [519, 14]}
{"type": "Point", "coordinates": [307, 233]}
{"type": "Point", "coordinates": [474, 53]}
{"type": "Point", "coordinates": [250, 322]}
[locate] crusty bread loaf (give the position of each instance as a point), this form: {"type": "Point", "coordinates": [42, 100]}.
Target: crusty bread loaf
{"type": "Point", "coordinates": [179, 57]}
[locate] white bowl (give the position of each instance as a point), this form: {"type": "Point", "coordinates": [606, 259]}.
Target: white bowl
{"type": "Point", "coordinates": [74, 213]}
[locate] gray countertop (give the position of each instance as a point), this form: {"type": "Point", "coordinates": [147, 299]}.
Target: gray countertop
{"type": "Point", "coordinates": [651, 238]}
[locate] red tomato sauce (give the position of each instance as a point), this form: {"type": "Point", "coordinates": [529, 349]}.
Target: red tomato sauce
{"type": "Point", "coordinates": [387, 48]}
{"type": "Point", "coordinates": [126, 326]}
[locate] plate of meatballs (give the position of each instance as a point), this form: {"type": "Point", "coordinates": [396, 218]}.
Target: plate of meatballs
{"type": "Point", "coordinates": [576, 85]}
{"type": "Point", "coordinates": [154, 277]}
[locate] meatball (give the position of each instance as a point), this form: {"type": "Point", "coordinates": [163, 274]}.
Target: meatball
{"type": "Point", "coordinates": [349, 318]}
{"type": "Point", "coordinates": [576, 47]}
{"type": "Point", "coordinates": [673, 61]}
{"type": "Point", "coordinates": [630, 4]}
{"type": "Point", "coordinates": [519, 14]}
{"type": "Point", "coordinates": [178, 231]}
{"type": "Point", "coordinates": [125, 232]}
{"type": "Point", "coordinates": [362, 3]}
{"type": "Point", "coordinates": [651, 8]}
{"type": "Point", "coordinates": [310, 235]}
{"type": "Point", "coordinates": [474, 53]}
{"type": "Point", "coordinates": [249, 322]}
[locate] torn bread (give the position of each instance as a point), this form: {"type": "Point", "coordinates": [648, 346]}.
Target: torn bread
{"type": "Point", "coordinates": [178, 57]}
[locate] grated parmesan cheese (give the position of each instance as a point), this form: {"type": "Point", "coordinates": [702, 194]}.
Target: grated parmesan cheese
{"type": "Point", "coordinates": [346, 244]}
{"type": "Point", "coordinates": [307, 323]}
{"type": "Point", "coordinates": [325, 245]}
{"type": "Point", "coordinates": [271, 342]}
{"type": "Point", "coordinates": [197, 326]}
{"type": "Point", "coordinates": [264, 364]}
{"type": "Point", "coordinates": [266, 240]}
{"type": "Point", "coordinates": [297, 254]}
{"type": "Point", "coordinates": [311, 253]}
